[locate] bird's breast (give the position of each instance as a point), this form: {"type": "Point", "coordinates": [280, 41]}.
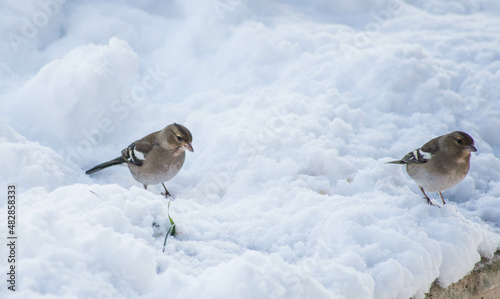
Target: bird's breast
{"type": "Point", "coordinates": [159, 166]}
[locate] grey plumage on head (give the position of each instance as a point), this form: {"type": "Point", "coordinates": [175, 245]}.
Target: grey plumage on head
{"type": "Point", "coordinates": [183, 131]}
{"type": "Point", "coordinates": [176, 137]}
{"type": "Point", "coordinates": [462, 141]}
{"type": "Point", "coordinates": [466, 138]}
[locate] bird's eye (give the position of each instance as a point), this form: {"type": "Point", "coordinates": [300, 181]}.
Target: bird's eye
{"type": "Point", "coordinates": [179, 138]}
{"type": "Point", "coordinates": [459, 141]}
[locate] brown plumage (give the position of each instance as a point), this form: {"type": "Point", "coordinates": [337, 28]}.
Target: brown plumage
{"type": "Point", "coordinates": [441, 163]}
{"type": "Point", "coordinates": [156, 158]}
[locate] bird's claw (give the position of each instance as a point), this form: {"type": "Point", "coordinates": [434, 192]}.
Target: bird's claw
{"type": "Point", "coordinates": [430, 203]}
{"type": "Point", "coordinates": [166, 194]}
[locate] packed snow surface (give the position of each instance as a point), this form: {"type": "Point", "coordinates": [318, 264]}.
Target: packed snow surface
{"type": "Point", "coordinates": [294, 109]}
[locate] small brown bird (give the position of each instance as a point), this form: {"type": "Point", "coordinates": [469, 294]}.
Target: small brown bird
{"type": "Point", "coordinates": [156, 158]}
{"type": "Point", "coordinates": [441, 163]}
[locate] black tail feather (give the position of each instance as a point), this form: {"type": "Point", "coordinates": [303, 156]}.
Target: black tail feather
{"type": "Point", "coordinates": [396, 162]}
{"type": "Point", "coordinates": [116, 161]}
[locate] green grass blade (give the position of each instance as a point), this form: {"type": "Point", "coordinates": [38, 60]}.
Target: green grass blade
{"type": "Point", "coordinates": [171, 229]}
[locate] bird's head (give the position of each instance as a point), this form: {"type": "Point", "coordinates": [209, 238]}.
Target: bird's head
{"type": "Point", "coordinates": [461, 142]}
{"type": "Point", "coordinates": [179, 137]}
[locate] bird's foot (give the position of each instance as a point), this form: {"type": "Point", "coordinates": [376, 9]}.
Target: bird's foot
{"type": "Point", "coordinates": [166, 194]}
{"type": "Point", "coordinates": [442, 198]}
{"type": "Point", "coordinates": [427, 197]}
{"type": "Point", "coordinates": [430, 202]}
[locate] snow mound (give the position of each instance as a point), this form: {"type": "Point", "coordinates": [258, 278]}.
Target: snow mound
{"type": "Point", "coordinates": [294, 110]}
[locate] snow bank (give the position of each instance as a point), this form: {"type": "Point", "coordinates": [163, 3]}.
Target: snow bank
{"type": "Point", "coordinates": [76, 89]}
{"type": "Point", "coordinates": [31, 163]}
{"type": "Point", "coordinates": [294, 108]}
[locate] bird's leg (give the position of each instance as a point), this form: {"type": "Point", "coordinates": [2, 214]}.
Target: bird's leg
{"type": "Point", "coordinates": [167, 194]}
{"type": "Point", "coordinates": [441, 197]}
{"type": "Point", "coordinates": [145, 187]}
{"type": "Point", "coordinates": [426, 197]}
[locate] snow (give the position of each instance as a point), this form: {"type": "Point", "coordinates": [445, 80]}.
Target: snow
{"type": "Point", "coordinates": [294, 110]}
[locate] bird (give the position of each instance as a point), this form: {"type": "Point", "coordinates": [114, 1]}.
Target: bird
{"type": "Point", "coordinates": [441, 163]}
{"type": "Point", "coordinates": [156, 158]}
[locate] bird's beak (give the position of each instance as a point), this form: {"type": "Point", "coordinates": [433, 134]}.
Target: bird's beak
{"type": "Point", "coordinates": [188, 146]}
{"type": "Point", "coordinates": [470, 148]}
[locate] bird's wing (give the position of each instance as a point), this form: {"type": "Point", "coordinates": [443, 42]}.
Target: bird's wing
{"type": "Point", "coordinates": [136, 152]}
{"type": "Point", "coordinates": [417, 156]}
{"type": "Point", "coordinates": [423, 154]}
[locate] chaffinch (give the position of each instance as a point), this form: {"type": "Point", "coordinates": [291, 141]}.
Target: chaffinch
{"type": "Point", "coordinates": [156, 158]}
{"type": "Point", "coordinates": [441, 163]}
